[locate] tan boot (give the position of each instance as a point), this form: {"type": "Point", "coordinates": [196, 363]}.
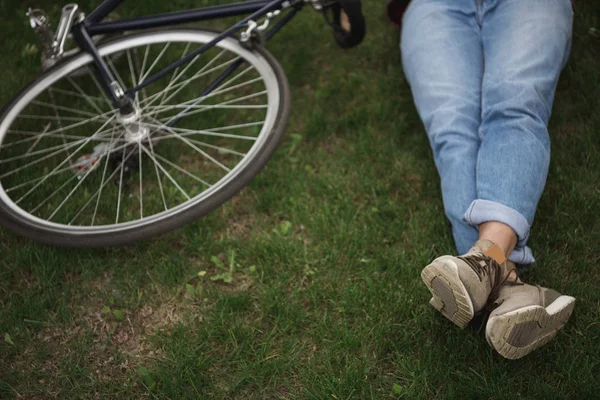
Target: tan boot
{"type": "Point", "coordinates": [526, 318]}
{"type": "Point", "coordinates": [461, 286]}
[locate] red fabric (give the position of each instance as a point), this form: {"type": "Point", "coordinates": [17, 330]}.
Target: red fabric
{"type": "Point", "coordinates": [396, 8]}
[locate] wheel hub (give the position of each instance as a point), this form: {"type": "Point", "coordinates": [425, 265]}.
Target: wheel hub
{"type": "Point", "coordinates": [135, 131]}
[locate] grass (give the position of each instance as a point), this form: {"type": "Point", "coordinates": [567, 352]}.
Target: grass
{"type": "Point", "coordinates": [326, 246]}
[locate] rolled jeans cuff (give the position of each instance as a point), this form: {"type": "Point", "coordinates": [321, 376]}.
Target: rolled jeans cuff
{"type": "Point", "coordinates": [481, 211]}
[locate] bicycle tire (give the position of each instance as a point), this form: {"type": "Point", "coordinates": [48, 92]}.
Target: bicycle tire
{"type": "Point", "coordinates": [39, 232]}
{"type": "Point", "coordinates": [348, 38]}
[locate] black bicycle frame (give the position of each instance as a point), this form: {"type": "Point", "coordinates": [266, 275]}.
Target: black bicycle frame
{"type": "Point", "coordinates": [92, 25]}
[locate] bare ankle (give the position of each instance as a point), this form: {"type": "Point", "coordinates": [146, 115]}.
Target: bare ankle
{"type": "Point", "coordinates": [500, 234]}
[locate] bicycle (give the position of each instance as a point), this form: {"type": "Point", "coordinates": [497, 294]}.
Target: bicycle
{"type": "Point", "coordinates": [130, 135]}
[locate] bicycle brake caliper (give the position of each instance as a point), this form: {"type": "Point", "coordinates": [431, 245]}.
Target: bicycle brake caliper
{"type": "Point", "coordinates": [254, 33]}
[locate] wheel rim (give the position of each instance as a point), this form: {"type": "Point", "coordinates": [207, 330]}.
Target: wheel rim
{"type": "Point", "coordinates": [163, 169]}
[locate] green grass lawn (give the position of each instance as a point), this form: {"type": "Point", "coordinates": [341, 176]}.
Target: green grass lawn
{"type": "Point", "coordinates": [326, 245]}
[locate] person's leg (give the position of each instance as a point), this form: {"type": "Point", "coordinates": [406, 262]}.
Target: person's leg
{"type": "Point", "coordinates": [500, 234]}
{"type": "Point", "coordinates": [443, 63]}
{"type": "Point", "coordinates": [526, 44]}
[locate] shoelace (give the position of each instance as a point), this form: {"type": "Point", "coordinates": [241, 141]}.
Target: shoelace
{"type": "Point", "coordinates": [482, 265]}
{"type": "Point", "coordinates": [494, 294]}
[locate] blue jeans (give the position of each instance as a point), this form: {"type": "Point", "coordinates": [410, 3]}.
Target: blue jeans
{"type": "Point", "coordinates": [483, 75]}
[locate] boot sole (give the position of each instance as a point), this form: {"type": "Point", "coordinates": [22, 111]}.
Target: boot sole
{"type": "Point", "coordinates": [518, 333]}
{"type": "Point", "coordinates": [450, 296]}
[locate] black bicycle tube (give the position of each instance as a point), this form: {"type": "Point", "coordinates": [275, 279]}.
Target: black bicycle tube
{"type": "Point", "coordinates": [83, 32]}
{"type": "Point", "coordinates": [85, 42]}
{"type": "Point", "coordinates": [181, 17]}
{"type": "Point", "coordinates": [102, 11]}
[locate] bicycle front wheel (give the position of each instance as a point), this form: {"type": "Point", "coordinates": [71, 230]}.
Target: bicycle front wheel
{"type": "Point", "coordinates": [74, 172]}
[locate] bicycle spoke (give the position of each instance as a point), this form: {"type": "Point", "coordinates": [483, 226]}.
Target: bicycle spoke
{"type": "Point", "coordinates": [43, 134]}
{"type": "Point", "coordinates": [115, 72]}
{"type": "Point", "coordinates": [99, 189]}
{"type": "Point", "coordinates": [238, 126]}
{"type": "Point", "coordinates": [98, 193]}
{"type": "Point", "coordinates": [139, 75]}
{"type": "Point", "coordinates": [60, 171]}
{"type": "Point", "coordinates": [38, 152]}
{"type": "Point", "coordinates": [164, 49]}
{"type": "Point", "coordinates": [108, 102]}
{"type": "Point", "coordinates": [35, 136]}
{"type": "Point", "coordinates": [81, 180]}
{"type": "Point", "coordinates": [144, 63]}
{"type": "Point", "coordinates": [174, 75]}
{"type": "Point", "coordinates": [212, 94]}
{"type": "Point", "coordinates": [50, 117]}
{"type": "Point", "coordinates": [222, 88]}
{"type": "Point", "coordinates": [60, 124]}
{"type": "Point", "coordinates": [71, 93]}
{"type": "Point", "coordinates": [120, 188]}
{"type": "Point", "coordinates": [219, 106]}
{"type": "Point", "coordinates": [199, 150]}
{"type": "Point", "coordinates": [66, 128]}
{"type": "Point", "coordinates": [32, 181]}
{"type": "Point", "coordinates": [15, 170]}
{"type": "Point", "coordinates": [182, 170]}
{"type": "Point", "coordinates": [212, 146]}
{"type": "Point", "coordinates": [63, 108]}
{"type": "Point", "coordinates": [162, 193]}
{"type": "Point", "coordinates": [37, 140]}
{"type": "Point", "coordinates": [164, 108]}
{"type": "Point", "coordinates": [87, 98]}
{"type": "Point", "coordinates": [181, 85]}
{"type": "Point", "coordinates": [53, 194]}
{"type": "Point", "coordinates": [60, 165]}
{"type": "Point", "coordinates": [187, 67]}
{"type": "Point", "coordinates": [188, 132]}
{"type": "Point", "coordinates": [200, 110]}
{"type": "Point", "coordinates": [133, 82]}
{"type": "Point", "coordinates": [202, 72]}
{"type": "Point", "coordinates": [141, 188]}
{"type": "Point", "coordinates": [165, 172]}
